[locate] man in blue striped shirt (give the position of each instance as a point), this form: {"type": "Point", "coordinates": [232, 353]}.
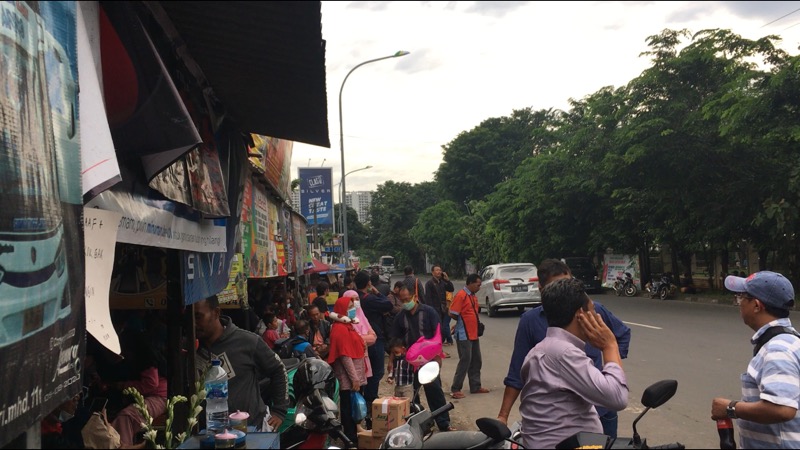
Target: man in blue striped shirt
{"type": "Point", "coordinates": [767, 414]}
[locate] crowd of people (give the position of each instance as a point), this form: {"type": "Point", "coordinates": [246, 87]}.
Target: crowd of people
{"type": "Point", "coordinates": [565, 369]}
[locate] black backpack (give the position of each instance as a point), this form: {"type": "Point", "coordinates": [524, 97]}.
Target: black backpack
{"type": "Point", "coordinates": [284, 347]}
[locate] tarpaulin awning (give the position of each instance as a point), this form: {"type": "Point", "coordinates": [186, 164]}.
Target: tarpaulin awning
{"type": "Point", "coordinates": [317, 266]}
{"type": "Point", "coordinates": [265, 61]}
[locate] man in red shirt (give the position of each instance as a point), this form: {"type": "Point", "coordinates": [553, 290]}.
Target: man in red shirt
{"type": "Point", "coordinates": [465, 311]}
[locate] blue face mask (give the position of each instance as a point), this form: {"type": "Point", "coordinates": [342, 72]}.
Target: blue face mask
{"type": "Point", "coordinates": [410, 305]}
{"type": "Point", "coordinates": [351, 313]}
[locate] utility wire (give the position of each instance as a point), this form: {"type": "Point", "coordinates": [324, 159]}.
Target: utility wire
{"type": "Point", "coordinates": [781, 17]}
{"type": "Point", "coordinates": [791, 26]}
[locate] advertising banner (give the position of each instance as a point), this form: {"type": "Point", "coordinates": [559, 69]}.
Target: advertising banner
{"type": "Point", "coordinates": [316, 195]}
{"type": "Point", "coordinates": [235, 293]}
{"type": "Point", "coordinates": [260, 251]}
{"type": "Point", "coordinates": [42, 331]}
{"type": "Point", "coordinates": [616, 265]}
{"type": "Point", "coordinates": [205, 274]}
{"type": "Point", "coordinates": [302, 256]}
{"type": "Point", "coordinates": [160, 223]}
{"type": "Point", "coordinates": [273, 157]}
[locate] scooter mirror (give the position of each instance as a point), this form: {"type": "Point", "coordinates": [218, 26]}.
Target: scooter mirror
{"type": "Point", "coordinates": [428, 372]}
{"type": "Point", "coordinates": [493, 428]}
{"type": "Point", "coordinates": [659, 392]}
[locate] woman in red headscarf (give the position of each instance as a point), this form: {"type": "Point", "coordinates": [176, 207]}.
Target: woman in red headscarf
{"type": "Point", "coordinates": [346, 356]}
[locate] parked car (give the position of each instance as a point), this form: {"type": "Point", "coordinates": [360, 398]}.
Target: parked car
{"type": "Point", "coordinates": [583, 269]}
{"type": "Point", "coordinates": [512, 285]}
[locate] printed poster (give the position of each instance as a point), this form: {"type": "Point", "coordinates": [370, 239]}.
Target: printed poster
{"type": "Point", "coordinates": [100, 231]}
{"type": "Point", "coordinates": [616, 265]}
{"type": "Point", "coordinates": [316, 196]}
{"type": "Point", "coordinates": [235, 293]}
{"type": "Point", "coordinates": [41, 237]}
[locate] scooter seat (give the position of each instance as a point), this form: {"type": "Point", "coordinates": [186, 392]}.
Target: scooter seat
{"type": "Point", "coordinates": [458, 439]}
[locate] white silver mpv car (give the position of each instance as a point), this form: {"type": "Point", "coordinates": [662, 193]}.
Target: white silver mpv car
{"type": "Point", "coordinates": [513, 285]}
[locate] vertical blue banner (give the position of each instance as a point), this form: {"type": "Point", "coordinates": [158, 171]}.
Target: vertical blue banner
{"type": "Point", "coordinates": [316, 193]}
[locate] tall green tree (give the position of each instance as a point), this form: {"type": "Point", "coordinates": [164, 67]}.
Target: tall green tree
{"type": "Point", "coordinates": [438, 232]}
{"type": "Point", "coordinates": [477, 160]}
{"type": "Point", "coordinates": [395, 209]}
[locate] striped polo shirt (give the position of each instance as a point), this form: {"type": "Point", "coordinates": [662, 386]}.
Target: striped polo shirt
{"type": "Point", "coordinates": [773, 375]}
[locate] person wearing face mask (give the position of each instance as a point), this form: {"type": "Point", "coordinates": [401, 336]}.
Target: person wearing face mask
{"type": "Point", "coordinates": [415, 320]}
{"type": "Point", "coordinates": [346, 357]}
{"type": "Point", "coordinates": [361, 324]}
{"type": "Point", "coordinates": [375, 306]}
{"type": "Point", "coordinates": [53, 434]}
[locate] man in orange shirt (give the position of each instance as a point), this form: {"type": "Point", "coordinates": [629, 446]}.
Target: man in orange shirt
{"type": "Point", "coordinates": [465, 311]}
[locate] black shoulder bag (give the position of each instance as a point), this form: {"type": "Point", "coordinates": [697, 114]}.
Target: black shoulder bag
{"type": "Point", "coordinates": [481, 326]}
{"type": "Point", "coordinates": [769, 334]}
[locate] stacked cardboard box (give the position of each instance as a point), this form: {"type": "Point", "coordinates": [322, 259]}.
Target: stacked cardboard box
{"type": "Point", "coordinates": [367, 440]}
{"type": "Point", "coordinates": [388, 413]}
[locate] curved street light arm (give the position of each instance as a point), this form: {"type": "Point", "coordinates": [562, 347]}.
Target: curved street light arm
{"type": "Point", "coordinates": [345, 248]}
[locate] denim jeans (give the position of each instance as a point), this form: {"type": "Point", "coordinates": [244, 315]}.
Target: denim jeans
{"type": "Point", "coordinates": [435, 396]}
{"type": "Point", "coordinates": [375, 352]}
{"type": "Point", "coordinates": [609, 421]}
{"type": "Point", "coordinates": [446, 336]}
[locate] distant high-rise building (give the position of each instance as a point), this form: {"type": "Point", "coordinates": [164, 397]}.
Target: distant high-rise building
{"type": "Point", "coordinates": [296, 199]}
{"type": "Point", "coordinates": [361, 202]}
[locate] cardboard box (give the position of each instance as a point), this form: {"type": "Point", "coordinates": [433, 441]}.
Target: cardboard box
{"type": "Point", "coordinates": [388, 413]}
{"type": "Point", "coordinates": [367, 440]}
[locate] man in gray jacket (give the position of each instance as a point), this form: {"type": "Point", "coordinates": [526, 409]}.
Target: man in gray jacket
{"type": "Point", "coordinates": [248, 361]}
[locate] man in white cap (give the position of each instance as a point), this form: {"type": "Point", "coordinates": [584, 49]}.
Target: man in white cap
{"type": "Point", "coordinates": [767, 414]}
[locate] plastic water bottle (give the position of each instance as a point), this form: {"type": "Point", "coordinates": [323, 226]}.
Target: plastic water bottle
{"type": "Point", "coordinates": [216, 399]}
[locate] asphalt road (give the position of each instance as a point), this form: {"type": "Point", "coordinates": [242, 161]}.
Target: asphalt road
{"type": "Point", "coordinates": [705, 347]}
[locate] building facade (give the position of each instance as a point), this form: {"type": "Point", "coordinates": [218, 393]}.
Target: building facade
{"type": "Point", "coordinates": [361, 201]}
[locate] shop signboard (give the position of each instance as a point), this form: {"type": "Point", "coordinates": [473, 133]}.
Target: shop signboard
{"type": "Point", "coordinates": [42, 331]}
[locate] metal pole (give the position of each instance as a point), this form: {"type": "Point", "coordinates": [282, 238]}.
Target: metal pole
{"type": "Point", "coordinates": [345, 248]}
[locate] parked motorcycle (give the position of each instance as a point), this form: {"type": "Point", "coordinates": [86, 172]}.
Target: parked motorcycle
{"type": "Point", "coordinates": [416, 432]}
{"type": "Point", "coordinates": [654, 396]}
{"type": "Point", "coordinates": [316, 390]}
{"type": "Point", "coordinates": [662, 288]}
{"type": "Point", "coordinates": [625, 286]}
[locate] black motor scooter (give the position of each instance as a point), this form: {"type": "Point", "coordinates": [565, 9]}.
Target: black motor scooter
{"type": "Point", "coordinates": [654, 396]}
{"type": "Point", "coordinates": [416, 433]}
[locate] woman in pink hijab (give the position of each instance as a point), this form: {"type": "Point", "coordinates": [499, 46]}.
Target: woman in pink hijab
{"type": "Point", "coordinates": [362, 326]}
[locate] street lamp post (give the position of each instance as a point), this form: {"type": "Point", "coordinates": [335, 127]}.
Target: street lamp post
{"type": "Point", "coordinates": [345, 250]}
{"type": "Point", "coordinates": [343, 195]}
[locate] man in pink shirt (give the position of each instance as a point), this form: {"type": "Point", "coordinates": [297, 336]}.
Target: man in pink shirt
{"type": "Point", "coordinates": [562, 385]}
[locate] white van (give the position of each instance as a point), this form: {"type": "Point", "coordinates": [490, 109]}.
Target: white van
{"type": "Point", "coordinates": [387, 264]}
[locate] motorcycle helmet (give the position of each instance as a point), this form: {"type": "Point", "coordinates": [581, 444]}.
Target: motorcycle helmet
{"type": "Point", "coordinates": [314, 373]}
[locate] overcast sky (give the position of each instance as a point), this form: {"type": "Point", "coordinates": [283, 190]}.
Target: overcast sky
{"type": "Point", "coordinates": [471, 61]}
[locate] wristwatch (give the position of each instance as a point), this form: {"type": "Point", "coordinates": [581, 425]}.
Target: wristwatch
{"type": "Point", "coordinates": [731, 410]}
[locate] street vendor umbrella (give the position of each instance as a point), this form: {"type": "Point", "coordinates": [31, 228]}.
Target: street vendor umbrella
{"type": "Point", "coordinates": [316, 266]}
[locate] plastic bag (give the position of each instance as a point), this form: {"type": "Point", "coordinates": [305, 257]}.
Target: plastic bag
{"type": "Point", "coordinates": [358, 406]}
{"type": "Point", "coordinates": [425, 350]}
{"type": "Point", "coordinates": [98, 433]}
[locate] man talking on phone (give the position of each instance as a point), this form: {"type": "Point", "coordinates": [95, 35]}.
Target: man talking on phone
{"type": "Point", "coordinates": [562, 385]}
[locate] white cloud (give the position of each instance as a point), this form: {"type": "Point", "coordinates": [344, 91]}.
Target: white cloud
{"type": "Point", "coordinates": [471, 61]}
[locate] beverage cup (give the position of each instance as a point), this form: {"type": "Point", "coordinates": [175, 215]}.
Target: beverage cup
{"type": "Point", "coordinates": [225, 439]}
